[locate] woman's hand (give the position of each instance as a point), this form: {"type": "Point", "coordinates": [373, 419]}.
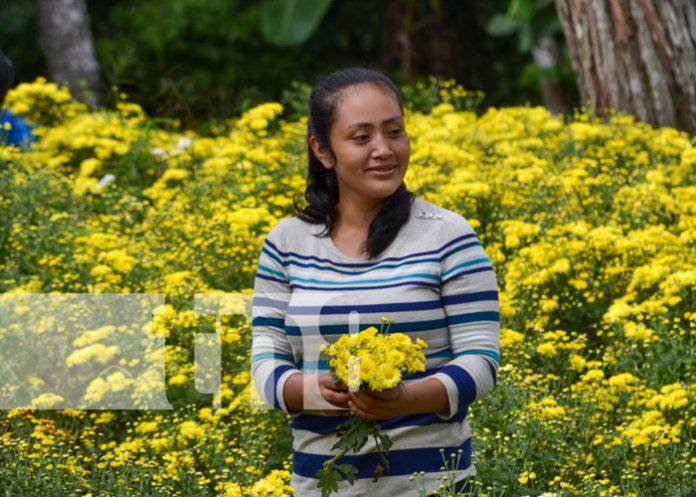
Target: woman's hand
{"type": "Point", "coordinates": [380, 405]}
{"type": "Point", "coordinates": [334, 393]}
{"type": "Point", "coordinates": [427, 396]}
{"type": "Point", "coordinates": [316, 393]}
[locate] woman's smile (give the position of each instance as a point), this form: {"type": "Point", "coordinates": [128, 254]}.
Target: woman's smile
{"type": "Point", "coordinates": [383, 171]}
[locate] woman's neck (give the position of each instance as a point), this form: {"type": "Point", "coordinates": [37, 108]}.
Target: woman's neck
{"type": "Point", "coordinates": [356, 216]}
{"type": "Point", "coordinates": [352, 225]}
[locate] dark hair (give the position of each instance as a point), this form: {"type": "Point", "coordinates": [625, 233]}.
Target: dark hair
{"type": "Point", "coordinates": [6, 76]}
{"type": "Point", "coordinates": [321, 193]}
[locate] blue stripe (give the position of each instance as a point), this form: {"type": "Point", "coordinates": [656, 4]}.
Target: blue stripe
{"type": "Point", "coordinates": [377, 267]}
{"type": "Point", "coordinates": [376, 287]}
{"type": "Point", "coordinates": [401, 462]}
{"type": "Point", "coordinates": [322, 365]}
{"type": "Point", "coordinates": [342, 329]}
{"type": "Point", "coordinates": [270, 278]}
{"type": "Point", "coordinates": [422, 374]}
{"type": "Point", "coordinates": [260, 301]}
{"type": "Point", "coordinates": [457, 240]}
{"type": "Point", "coordinates": [368, 264]}
{"type": "Point", "coordinates": [269, 389]}
{"type": "Point", "coordinates": [460, 249]}
{"type": "Point", "coordinates": [465, 385]}
{"type": "Point", "coordinates": [470, 271]}
{"type": "Point", "coordinates": [270, 322]}
{"type": "Point", "coordinates": [473, 317]}
{"type": "Point", "coordinates": [324, 425]}
{"type": "Point", "coordinates": [456, 268]}
{"type": "Point", "coordinates": [427, 276]}
{"type": "Point", "coordinates": [346, 264]}
{"type": "Point", "coordinates": [494, 374]}
{"type": "Point", "coordinates": [447, 353]}
{"type": "Point", "coordinates": [270, 254]}
{"type": "Point", "coordinates": [374, 268]}
{"type": "Point", "coordinates": [387, 308]}
{"type": "Point", "coordinates": [271, 355]}
{"type": "Point", "coordinates": [271, 271]}
{"type": "Point", "coordinates": [493, 355]}
{"type": "Point", "coordinates": [467, 298]}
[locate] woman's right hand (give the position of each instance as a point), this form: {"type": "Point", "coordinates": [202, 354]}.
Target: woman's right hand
{"type": "Point", "coordinates": [336, 394]}
{"type": "Point", "coordinates": [316, 393]}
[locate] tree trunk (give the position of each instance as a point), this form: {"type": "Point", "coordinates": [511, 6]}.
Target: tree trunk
{"type": "Point", "coordinates": [397, 37]}
{"type": "Point", "coordinates": [546, 54]}
{"type": "Point", "coordinates": [67, 42]}
{"type": "Point", "coordinates": [638, 56]}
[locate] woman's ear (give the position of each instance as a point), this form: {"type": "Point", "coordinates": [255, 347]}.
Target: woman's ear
{"type": "Point", "coordinates": [321, 153]}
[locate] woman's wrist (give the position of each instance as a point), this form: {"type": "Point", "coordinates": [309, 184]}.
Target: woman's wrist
{"type": "Point", "coordinates": [425, 397]}
{"type": "Point", "coordinates": [293, 392]}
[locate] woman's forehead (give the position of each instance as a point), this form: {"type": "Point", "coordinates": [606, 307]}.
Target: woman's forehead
{"type": "Point", "coordinates": [367, 102]}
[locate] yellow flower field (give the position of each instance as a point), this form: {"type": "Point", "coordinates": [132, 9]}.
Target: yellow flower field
{"type": "Point", "coordinates": [591, 226]}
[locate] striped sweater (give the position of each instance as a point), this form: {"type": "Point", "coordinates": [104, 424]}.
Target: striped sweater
{"type": "Point", "coordinates": [434, 281]}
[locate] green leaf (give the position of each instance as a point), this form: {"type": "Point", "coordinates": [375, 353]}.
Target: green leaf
{"type": "Point", "coordinates": [328, 480]}
{"type": "Point", "coordinates": [349, 472]}
{"type": "Point", "coordinates": [291, 22]}
{"type": "Point", "coordinates": [525, 39]}
{"type": "Point", "coordinates": [357, 433]}
{"type": "Point", "coordinates": [521, 10]}
{"type": "Point", "coordinates": [501, 25]}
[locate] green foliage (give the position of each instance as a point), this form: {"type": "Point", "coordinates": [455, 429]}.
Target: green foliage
{"type": "Point", "coordinates": [589, 225]}
{"type": "Point", "coordinates": [429, 92]}
{"type": "Point", "coordinates": [203, 61]}
{"type": "Point", "coordinates": [209, 60]}
{"type": "Point", "coordinates": [39, 200]}
{"type": "Point", "coordinates": [295, 100]}
{"type": "Point", "coordinates": [448, 478]}
{"type": "Point", "coordinates": [19, 37]}
{"type": "Point", "coordinates": [530, 20]}
{"type": "Point", "coordinates": [353, 435]}
{"type": "Point", "coordinates": [190, 60]}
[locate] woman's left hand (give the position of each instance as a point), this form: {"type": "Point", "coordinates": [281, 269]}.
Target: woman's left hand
{"type": "Point", "coordinates": [380, 405]}
{"type": "Point", "coordinates": [427, 396]}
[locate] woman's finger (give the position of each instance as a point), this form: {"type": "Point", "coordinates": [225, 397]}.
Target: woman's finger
{"type": "Point", "coordinates": [326, 380]}
{"type": "Point", "coordinates": [336, 398]}
{"type": "Point", "coordinates": [360, 412]}
{"type": "Point", "coordinates": [392, 393]}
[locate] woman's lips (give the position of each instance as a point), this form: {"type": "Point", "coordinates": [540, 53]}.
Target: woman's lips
{"type": "Point", "coordinates": [382, 170]}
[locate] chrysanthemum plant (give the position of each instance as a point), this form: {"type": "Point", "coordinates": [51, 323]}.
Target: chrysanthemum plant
{"type": "Point", "coordinates": [371, 360]}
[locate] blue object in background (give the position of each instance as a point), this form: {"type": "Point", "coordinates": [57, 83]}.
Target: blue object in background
{"type": "Point", "coordinates": [14, 131]}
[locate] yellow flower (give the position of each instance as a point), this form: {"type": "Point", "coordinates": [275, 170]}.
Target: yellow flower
{"type": "Point", "coordinates": [577, 363]}
{"type": "Point", "coordinates": [510, 338]}
{"type": "Point", "coordinates": [46, 401]}
{"type": "Point", "coordinates": [191, 430]}
{"type": "Point", "coordinates": [547, 349]}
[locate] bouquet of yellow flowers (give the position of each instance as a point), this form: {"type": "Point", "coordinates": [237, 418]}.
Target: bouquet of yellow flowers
{"type": "Point", "coordinates": [375, 361]}
{"type": "Point", "coordinates": [370, 360]}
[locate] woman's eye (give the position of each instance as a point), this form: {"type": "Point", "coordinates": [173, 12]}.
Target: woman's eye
{"type": "Point", "coordinates": [395, 132]}
{"type": "Point", "coordinates": [360, 138]}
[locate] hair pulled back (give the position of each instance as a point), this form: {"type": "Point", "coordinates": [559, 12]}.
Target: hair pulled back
{"type": "Point", "coordinates": [321, 193]}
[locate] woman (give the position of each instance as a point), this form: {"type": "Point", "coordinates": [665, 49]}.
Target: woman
{"type": "Point", "coordinates": [362, 249]}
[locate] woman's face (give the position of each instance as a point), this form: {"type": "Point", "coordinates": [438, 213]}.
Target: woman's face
{"type": "Point", "coordinates": [370, 145]}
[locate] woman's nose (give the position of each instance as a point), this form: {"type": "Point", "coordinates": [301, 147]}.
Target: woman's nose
{"type": "Point", "coordinates": [382, 148]}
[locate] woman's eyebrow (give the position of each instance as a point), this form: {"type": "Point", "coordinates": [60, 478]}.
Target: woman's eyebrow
{"type": "Point", "coordinates": [367, 124]}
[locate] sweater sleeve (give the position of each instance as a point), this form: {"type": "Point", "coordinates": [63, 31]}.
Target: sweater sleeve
{"type": "Point", "coordinates": [272, 360]}
{"type": "Point", "coordinates": [469, 294]}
